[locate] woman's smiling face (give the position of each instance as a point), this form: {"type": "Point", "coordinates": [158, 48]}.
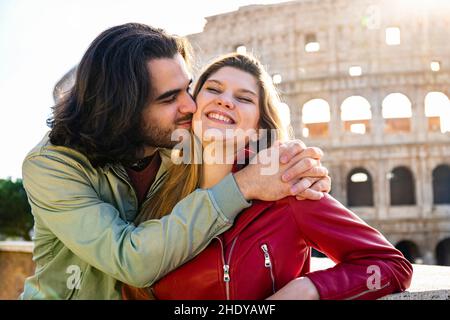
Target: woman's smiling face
{"type": "Point", "coordinates": [228, 100]}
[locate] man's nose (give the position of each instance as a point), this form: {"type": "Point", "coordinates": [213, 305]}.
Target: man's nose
{"type": "Point", "coordinates": [188, 105]}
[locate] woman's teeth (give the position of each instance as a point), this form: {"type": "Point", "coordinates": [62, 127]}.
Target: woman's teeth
{"type": "Point", "coordinates": [220, 117]}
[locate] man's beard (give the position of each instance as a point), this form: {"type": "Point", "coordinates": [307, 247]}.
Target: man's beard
{"type": "Point", "coordinates": [157, 137]}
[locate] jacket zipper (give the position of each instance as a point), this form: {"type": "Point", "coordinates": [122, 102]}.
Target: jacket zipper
{"type": "Point", "coordinates": [268, 264]}
{"type": "Point", "coordinates": [226, 265]}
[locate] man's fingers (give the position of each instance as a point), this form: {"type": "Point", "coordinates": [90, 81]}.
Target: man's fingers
{"type": "Point", "coordinates": [302, 185]}
{"type": "Point", "coordinates": [290, 149]}
{"type": "Point", "coordinates": [316, 172]}
{"type": "Point", "coordinates": [312, 152]}
{"type": "Point", "coordinates": [310, 194]}
{"type": "Point", "coordinates": [315, 189]}
{"type": "Point", "coordinates": [322, 185]}
{"type": "Point", "coordinates": [297, 170]}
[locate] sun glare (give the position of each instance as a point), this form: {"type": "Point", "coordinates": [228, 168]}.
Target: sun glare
{"type": "Point", "coordinates": [316, 111]}
{"type": "Point", "coordinates": [396, 105]}
{"type": "Point", "coordinates": [285, 114]}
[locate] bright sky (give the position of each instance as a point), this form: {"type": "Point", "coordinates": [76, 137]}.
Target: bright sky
{"type": "Point", "coordinates": [41, 40]}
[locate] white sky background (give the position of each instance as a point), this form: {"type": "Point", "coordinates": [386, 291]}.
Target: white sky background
{"type": "Point", "coordinates": [41, 40]}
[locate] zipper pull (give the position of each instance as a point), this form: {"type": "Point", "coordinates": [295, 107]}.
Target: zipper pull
{"type": "Point", "coordinates": [226, 273]}
{"type": "Point", "coordinates": [267, 262]}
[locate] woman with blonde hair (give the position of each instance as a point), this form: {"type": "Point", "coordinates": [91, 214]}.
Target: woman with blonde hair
{"type": "Point", "coordinates": [266, 254]}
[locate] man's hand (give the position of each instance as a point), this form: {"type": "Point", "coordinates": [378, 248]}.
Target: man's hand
{"type": "Point", "coordinates": [307, 184]}
{"type": "Point", "coordinates": [297, 289]}
{"type": "Point", "coordinates": [298, 173]}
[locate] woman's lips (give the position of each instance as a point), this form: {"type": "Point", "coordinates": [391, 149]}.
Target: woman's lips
{"type": "Point", "coordinates": [220, 117]}
{"type": "Point", "coordinates": [219, 121]}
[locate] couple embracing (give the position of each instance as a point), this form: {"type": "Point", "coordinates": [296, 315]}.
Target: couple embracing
{"type": "Point", "coordinates": [126, 213]}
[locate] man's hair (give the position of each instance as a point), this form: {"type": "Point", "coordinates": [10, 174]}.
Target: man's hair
{"type": "Point", "coordinates": [101, 116]}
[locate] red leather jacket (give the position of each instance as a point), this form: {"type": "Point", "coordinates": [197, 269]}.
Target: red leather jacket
{"type": "Point", "coordinates": [270, 244]}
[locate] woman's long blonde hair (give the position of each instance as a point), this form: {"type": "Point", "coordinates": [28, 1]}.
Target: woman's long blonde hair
{"type": "Point", "coordinates": [183, 179]}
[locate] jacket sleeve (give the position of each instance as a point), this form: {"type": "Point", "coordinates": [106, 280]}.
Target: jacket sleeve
{"type": "Point", "coordinates": [367, 265]}
{"type": "Point", "coordinates": [61, 195]}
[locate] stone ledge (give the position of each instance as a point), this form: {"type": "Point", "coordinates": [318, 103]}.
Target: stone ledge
{"type": "Point", "coordinates": [16, 246]}
{"type": "Point", "coordinates": [428, 283]}
{"type": "Point", "coordinates": [421, 295]}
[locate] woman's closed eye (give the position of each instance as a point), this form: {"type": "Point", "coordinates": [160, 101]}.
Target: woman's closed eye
{"type": "Point", "coordinates": [240, 98]}
{"type": "Point", "coordinates": [213, 90]}
{"type": "Point", "coordinates": [245, 99]}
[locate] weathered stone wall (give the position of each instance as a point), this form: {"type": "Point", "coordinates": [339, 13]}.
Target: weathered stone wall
{"type": "Point", "coordinates": [428, 282]}
{"type": "Point", "coordinates": [352, 32]}
{"type": "Point", "coordinates": [16, 265]}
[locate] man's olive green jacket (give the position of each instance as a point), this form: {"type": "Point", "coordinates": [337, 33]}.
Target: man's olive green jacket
{"type": "Point", "coordinates": [85, 243]}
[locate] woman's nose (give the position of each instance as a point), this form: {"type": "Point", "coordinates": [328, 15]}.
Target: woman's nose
{"type": "Point", "coordinates": [225, 101]}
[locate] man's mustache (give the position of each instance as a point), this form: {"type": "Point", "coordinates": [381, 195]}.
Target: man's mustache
{"type": "Point", "coordinates": [184, 119]}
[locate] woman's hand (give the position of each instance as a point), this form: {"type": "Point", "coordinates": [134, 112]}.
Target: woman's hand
{"type": "Point", "coordinates": [298, 289]}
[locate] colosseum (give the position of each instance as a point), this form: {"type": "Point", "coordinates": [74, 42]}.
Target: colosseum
{"type": "Point", "coordinates": [369, 82]}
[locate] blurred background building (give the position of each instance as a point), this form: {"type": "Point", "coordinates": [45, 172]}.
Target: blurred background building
{"type": "Point", "coordinates": [369, 82]}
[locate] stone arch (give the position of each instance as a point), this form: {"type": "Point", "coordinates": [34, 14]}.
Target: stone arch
{"type": "Point", "coordinates": [443, 252]}
{"type": "Point", "coordinates": [356, 114]}
{"type": "Point", "coordinates": [402, 187]}
{"type": "Point", "coordinates": [409, 249]}
{"type": "Point", "coordinates": [441, 184]}
{"type": "Point", "coordinates": [316, 118]}
{"type": "Point", "coordinates": [437, 111]}
{"type": "Point", "coordinates": [359, 188]}
{"type": "Point", "coordinates": [397, 112]}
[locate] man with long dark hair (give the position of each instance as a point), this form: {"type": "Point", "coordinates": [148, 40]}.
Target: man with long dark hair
{"type": "Point", "coordinates": [107, 152]}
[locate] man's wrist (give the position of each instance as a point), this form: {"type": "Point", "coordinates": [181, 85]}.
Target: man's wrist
{"type": "Point", "coordinates": [221, 194]}
{"type": "Point", "coordinates": [243, 185]}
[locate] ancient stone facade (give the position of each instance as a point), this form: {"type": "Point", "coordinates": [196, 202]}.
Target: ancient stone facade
{"type": "Point", "coordinates": [387, 142]}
